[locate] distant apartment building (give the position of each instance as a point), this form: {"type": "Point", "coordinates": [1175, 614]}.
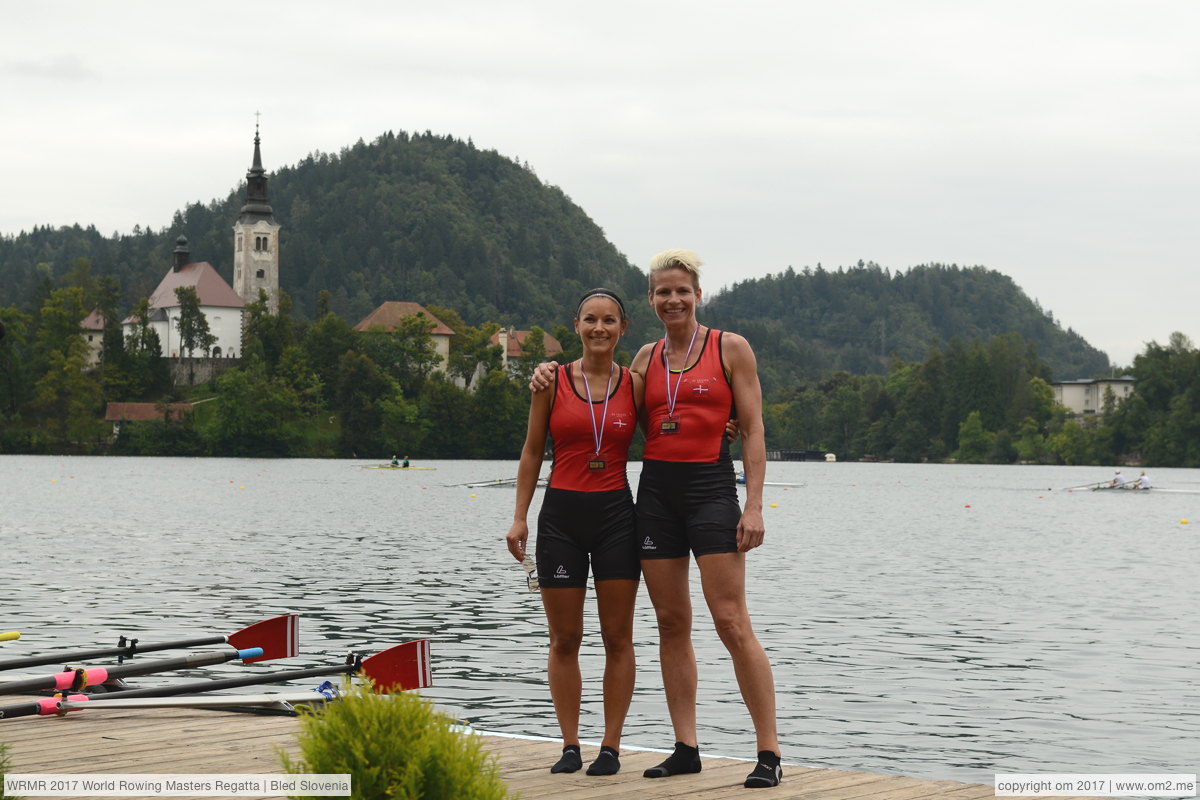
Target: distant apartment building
{"type": "Point", "coordinates": [1086, 396]}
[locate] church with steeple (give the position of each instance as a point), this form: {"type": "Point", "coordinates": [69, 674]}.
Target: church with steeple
{"type": "Point", "coordinates": [256, 239]}
{"type": "Point", "coordinates": [255, 268]}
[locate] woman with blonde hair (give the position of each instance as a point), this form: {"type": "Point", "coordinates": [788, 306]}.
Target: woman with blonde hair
{"type": "Point", "coordinates": [697, 379]}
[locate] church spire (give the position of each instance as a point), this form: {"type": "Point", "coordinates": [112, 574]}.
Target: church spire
{"type": "Point", "coordinates": [256, 239]}
{"type": "Point", "coordinates": [257, 205]}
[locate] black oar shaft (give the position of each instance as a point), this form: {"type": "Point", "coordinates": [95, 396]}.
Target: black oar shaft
{"type": "Point", "coordinates": [94, 675]}
{"type": "Point", "coordinates": [106, 652]}
{"type": "Point", "coordinates": [226, 683]}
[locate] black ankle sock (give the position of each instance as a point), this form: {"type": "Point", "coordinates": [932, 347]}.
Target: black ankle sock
{"type": "Point", "coordinates": [684, 761]}
{"type": "Point", "coordinates": [607, 763]}
{"type": "Point", "coordinates": [767, 772]}
{"type": "Point", "coordinates": [571, 761]}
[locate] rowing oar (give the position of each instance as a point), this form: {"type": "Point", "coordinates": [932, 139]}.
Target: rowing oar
{"type": "Point", "coordinates": [405, 666]}
{"type": "Point", "coordinates": [281, 700]}
{"type": "Point", "coordinates": [77, 679]}
{"type": "Point", "coordinates": [9, 636]}
{"type": "Point", "coordinates": [279, 637]}
{"type": "Point", "coordinates": [1085, 486]}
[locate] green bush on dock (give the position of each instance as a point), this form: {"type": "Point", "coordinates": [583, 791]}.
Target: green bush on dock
{"type": "Point", "coordinates": [395, 746]}
{"type": "Point", "coordinates": [4, 767]}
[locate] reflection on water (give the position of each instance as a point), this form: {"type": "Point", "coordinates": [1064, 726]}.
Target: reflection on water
{"type": "Point", "coordinates": [944, 622]}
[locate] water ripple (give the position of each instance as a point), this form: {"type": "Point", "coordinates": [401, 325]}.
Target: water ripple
{"type": "Point", "coordinates": [944, 622]}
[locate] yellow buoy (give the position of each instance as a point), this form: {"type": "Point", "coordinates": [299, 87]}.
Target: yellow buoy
{"type": "Point", "coordinates": [1183, 522]}
{"type": "Point", "coordinates": [471, 495]}
{"type": "Point", "coordinates": [773, 505]}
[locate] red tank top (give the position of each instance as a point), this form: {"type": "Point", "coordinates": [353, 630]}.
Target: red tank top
{"type": "Point", "coordinates": [571, 419]}
{"type": "Point", "coordinates": [704, 403]}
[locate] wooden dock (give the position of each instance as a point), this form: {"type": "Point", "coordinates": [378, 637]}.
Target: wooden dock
{"type": "Point", "coordinates": [179, 741]}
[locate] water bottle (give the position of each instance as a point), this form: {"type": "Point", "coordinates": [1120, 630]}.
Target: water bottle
{"type": "Point", "coordinates": [531, 576]}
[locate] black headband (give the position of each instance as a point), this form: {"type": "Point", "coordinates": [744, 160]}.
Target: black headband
{"type": "Point", "coordinates": [600, 293]}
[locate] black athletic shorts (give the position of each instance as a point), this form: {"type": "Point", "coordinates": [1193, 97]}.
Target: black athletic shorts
{"type": "Point", "coordinates": [683, 506]}
{"type": "Point", "coordinates": [577, 527]}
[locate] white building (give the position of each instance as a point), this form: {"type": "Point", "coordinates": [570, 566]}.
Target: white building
{"type": "Point", "coordinates": [1086, 396]}
{"type": "Point", "coordinates": [221, 306]}
{"type": "Point", "coordinates": [255, 268]}
{"type": "Point", "coordinates": [388, 316]}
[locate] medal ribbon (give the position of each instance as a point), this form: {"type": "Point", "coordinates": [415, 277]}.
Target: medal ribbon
{"type": "Point", "coordinates": [671, 398]}
{"type": "Point", "coordinates": [597, 432]}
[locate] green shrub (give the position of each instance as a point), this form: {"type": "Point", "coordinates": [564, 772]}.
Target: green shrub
{"type": "Point", "coordinates": [4, 767]}
{"type": "Point", "coordinates": [395, 747]}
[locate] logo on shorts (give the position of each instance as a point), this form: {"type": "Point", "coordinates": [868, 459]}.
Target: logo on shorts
{"type": "Point", "coordinates": [648, 544]}
{"type": "Point", "coordinates": [561, 572]}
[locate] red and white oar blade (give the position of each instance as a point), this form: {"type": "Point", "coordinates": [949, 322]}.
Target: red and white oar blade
{"type": "Point", "coordinates": [405, 666]}
{"type": "Point", "coordinates": [279, 637]}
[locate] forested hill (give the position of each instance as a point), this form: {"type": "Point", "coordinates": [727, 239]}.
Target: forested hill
{"type": "Point", "coordinates": [420, 217]}
{"type": "Point", "coordinates": [856, 319]}
{"type": "Point", "coordinates": [436, 220]}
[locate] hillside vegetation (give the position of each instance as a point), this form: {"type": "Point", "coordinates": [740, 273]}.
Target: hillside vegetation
{"type": "Point", "coordinates": [857, 319]}
{"type": "Point", "coordinates": [929, 363]}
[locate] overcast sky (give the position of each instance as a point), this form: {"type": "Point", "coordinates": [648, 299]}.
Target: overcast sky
{"type": "Point", "coordinates": [1056, 142]}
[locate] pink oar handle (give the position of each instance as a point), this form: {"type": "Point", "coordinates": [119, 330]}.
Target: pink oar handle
{"type": "Point", "coordinates": [48, 706]}
{"type": "Point", "coordinates": [91, 677]}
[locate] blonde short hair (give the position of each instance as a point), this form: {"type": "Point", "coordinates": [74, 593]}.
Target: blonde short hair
{"type": "Point", "coordinates": [676, 259]}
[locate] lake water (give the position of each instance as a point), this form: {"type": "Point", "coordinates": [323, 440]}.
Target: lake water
{"type": "Point", "coordinates": [929, 620]}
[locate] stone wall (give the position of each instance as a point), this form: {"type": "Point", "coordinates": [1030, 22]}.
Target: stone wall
{"type": "Point", "coordinates": [203, 369]}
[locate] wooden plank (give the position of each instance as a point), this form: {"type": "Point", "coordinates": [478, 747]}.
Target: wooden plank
{"type": "Point", "coordinates": [206, 742]}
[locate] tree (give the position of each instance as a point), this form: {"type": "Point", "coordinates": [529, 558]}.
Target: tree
{"type": "Point", "coordinates": [13, 359]}
{"type": "Point", "coordinates": [193, 327]}
{"type": "Point", "coordinates": [406, 353]}
{"type": "Point", "coordinates": [267, 334]}
{"type": "Point", "coordinates": [324, 343]}
{"type": "Point", "coordinates": [148, 372]}
{"type": "Point", "coordinates": [974, 441]}
{"type": "Point", "coordinates": [361, 388]}
{"type": "Point", "coordinates": [192, 324]}
{"type": "Point", "coordinates": [57, 324]}
{"type": "Point", "coordinates": [251, 414]}
{"type": "Point", "coordinates": [67, 398]}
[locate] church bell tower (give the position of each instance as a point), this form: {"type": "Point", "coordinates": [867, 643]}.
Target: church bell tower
{"type": "Point", "coordinates": [256, 240]}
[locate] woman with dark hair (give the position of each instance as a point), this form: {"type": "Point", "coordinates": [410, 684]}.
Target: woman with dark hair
{"type": "Point", "coordinates": [589, 410]}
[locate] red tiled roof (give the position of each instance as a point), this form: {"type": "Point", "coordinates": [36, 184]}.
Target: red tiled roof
{"type": "Point", "coordinates": [139, 412]}
{"type": "Point", "coordinates": [516, 341]}
{"type": "Point", "coordinates": [93, 321]}
{"type": "Point", "coordinates": [389, 314]}
{"type": "Point", "coordinates": [210, 287]}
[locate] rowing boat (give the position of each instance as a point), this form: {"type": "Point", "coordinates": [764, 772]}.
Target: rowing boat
{"type": "Point", "coordinates": [1147, 490]}
{"type": "Point", "coordinates": [405, 469]}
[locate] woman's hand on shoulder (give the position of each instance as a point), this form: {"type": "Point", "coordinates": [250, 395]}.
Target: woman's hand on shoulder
{"type": "Point", "coordinates": [543, 376]}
